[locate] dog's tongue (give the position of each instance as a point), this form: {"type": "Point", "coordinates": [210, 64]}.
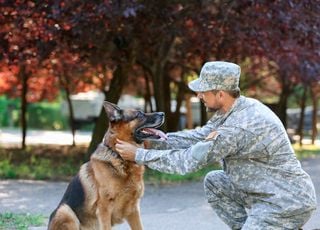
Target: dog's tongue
{"type": "Point", "coordinates": [157, 132]}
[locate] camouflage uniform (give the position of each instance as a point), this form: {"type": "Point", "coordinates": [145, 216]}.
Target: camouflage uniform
{"type": "Point", "coordinates": [262, 185]}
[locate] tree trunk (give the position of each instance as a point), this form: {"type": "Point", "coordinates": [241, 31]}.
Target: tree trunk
{"type": "Point", "coordinates": [314, 115]}
{"type": "Point", "coordinates": [71, 116]}
{"type": "Point", "coordinates": [174, 119]}
{"type": "Point", "coordinates": [165, 99]}
{"type": "Point", "coordinates": [180, 97]}
{"type": "Point", "coordinates": [283, 104]}
{"type": "Point", "coordinates": [148, 107]}
{"type": "Point", "coordinates": [113, 95]}
{"type": "Point", "coordinates": [158, 89]}
{"type": "Point", "coordinates": [162, 96]}
{"type": "Point", "coordinates": [189, 118]}
{"type": "Point", "coordinates": [204, 115]}
{"type": "Point", "coordinates": [301, 119]}
{"type": "Point", "coordinates": [24, 104]}
{"type": "Point", "coordinates": [65, 84]}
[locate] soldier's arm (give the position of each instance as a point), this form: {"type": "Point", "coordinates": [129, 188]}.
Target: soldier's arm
{"type": "Point", "coordinates": [197, 156]}
{"type": "Point", "coordinates": [182, 139]}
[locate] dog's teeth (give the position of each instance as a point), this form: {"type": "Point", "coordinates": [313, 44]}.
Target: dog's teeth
{"type": "Point", "coordinates": [155, 132]}
{"type": "Point", "coordinates": [146, 130]}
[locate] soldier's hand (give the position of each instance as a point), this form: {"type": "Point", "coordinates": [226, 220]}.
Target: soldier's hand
{"type": "Point", "coordinates": [126, 150]}
{"type": "Point", "coordinates": [211, 135]}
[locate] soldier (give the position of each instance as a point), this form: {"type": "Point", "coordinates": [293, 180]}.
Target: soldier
{"type": "Point", "coordinates": [262, 184]}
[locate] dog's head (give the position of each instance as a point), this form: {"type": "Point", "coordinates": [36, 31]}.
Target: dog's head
{"type": "Point", "coordinates": [133, 125]}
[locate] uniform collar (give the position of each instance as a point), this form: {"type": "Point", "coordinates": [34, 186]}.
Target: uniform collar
{"type": "Point", "coordinates": [236, 106]}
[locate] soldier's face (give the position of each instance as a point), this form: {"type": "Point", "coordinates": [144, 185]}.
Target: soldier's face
{"type": "Point", "coordinates": [212, 100]}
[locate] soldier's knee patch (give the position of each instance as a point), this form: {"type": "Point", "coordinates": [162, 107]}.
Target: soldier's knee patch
{"type": "Point", "coordinates": [214, 184]}
{"type": "Point", "coordinates": [216, 176]}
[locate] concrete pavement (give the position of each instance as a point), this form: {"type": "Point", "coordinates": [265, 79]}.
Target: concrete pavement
{"type": "Point", "coordinates": [179, 206]}
{"type": "Point", "coordinates": [13, 137]}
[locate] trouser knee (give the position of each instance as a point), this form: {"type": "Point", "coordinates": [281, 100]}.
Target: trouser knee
{"type": "Point", "coordinates": [222, 197]}
{"type": "Point", "coordinates": [214, 182]}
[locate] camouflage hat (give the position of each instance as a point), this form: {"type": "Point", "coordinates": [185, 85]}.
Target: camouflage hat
{"type": "Point", "coordinates": [217, 75]}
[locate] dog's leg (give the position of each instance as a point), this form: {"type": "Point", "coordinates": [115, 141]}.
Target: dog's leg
{"type": "Point", "coordinates": [64, 218]}
{"type": "Point", "coordinates": [104, 210]}
{"type": "Point", "coordinates": [104, 218]}
{"type": "Point", "coordinates": [134, 220]}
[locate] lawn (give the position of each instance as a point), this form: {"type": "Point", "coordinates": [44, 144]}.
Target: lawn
{"type": "Point", "coordinates": [63, 162]}
{"type": "Point", "coordinates": [14, 221]}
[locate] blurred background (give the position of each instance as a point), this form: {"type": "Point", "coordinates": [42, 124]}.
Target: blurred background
{"type": "Point", "coordinates": [59, 60]}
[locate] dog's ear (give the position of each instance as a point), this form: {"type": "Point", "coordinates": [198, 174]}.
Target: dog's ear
{"type": "Point", "coordinates": [114, 113]}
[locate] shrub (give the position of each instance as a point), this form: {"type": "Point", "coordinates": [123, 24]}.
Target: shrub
{"type": "Point", "coordinates": [42, 115]}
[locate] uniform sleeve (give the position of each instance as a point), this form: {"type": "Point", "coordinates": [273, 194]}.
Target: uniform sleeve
{"type": "Point", "coordinates": [197, 156]}
{"type": "Point", "coordinates": [184, 139]}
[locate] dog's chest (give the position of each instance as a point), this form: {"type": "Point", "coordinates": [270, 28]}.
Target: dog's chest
{"type": "Point", "coordinates": [127, 199]}
{"type": "Point", "coordinates": [133, 184]}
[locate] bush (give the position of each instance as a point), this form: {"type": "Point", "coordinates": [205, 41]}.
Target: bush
{"type": "Point", "coordinates": [8, 112]}
{"type": "Point", "coordinates": [7, 170]}
{"type": "Point", "coordinates": [42, 115]}
{"type": "Point", "coordinates": [46, 116]}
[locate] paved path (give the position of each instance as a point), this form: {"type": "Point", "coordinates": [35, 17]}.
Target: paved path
{"type": "Point", "coordinates": [13, 137]}
{"type": "Point", "coordinates": [163, 207]}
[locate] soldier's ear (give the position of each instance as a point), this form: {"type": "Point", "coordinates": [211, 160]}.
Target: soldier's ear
{"type": "Point", "coordinates": [114, 113]}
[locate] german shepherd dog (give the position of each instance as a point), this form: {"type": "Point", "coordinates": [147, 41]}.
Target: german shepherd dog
{"type": "Point", "coordinates": [107, 189]}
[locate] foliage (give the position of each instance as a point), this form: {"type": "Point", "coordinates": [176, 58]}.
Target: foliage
{"type": "Point", "coordinates": [79, 45]}
{"type": "Point", "coordinates": [41, 115]}
{"type": "Point", "coordinates": [3, 112]}
{"type": "Point", "coordinates": [25, 44]}
{"type": "Point", "coordinates": [283, 34]}
{"type": "Point", "coordinates": [20, 221]}
{"type": "Point", "coordinates": [46, 116]}
{"type": "Point", "coordinates": [81, 40]}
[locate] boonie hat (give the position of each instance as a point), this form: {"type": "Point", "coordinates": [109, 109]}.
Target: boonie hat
{"type": "Point", "coordinates": [217, 75]}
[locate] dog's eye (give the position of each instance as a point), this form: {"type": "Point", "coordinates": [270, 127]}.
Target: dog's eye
{"type": "Point", "coordinates": [139, 115]}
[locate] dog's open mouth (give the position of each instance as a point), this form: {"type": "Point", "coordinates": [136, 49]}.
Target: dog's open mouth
{"type": "Point", "coordinates": [150, 130]}
{"type": "Point", "coordinates": [150, 133]}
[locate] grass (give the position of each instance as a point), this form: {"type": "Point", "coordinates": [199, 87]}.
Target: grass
{"type": "Point", "coordinates": [41, 162]}
{"type": "Point", "coordinates": [63, 162]}
{"type": "Point", "coordinates": [306, 151]}
{"type": "Point", "coordinates": [12, 221]}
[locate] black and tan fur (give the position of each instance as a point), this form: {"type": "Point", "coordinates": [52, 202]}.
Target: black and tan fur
{"type": "Point", "coordinates": [107, 189]}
